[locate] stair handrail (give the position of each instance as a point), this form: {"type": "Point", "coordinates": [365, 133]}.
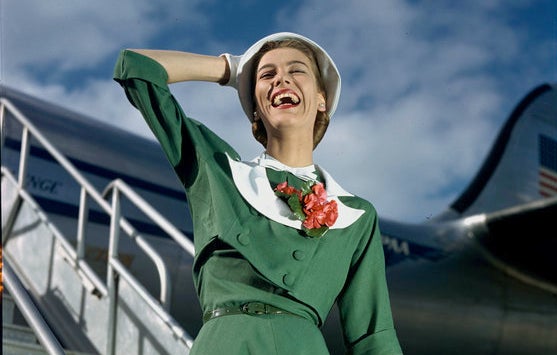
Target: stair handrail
{"type": "Point", "coordinates": [147, 208]}
{"type": "Point", "coordinates": [29, 130]}
{"type": "Point", "coordinates": [115, 188]}
{"type": "Point", "coordinates": [90, 280]}
{"type": "Point", "coordinates": [87, 189]}
{"type": "Point", "coordinates": [30, 312]}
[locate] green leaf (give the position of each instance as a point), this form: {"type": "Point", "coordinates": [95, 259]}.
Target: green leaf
{"type": "Point", "coordinates": [282, 195]}
{"type": "Point", "coordinates": [316, 232]}
{"type": "Point", "coordinates": [296, 207]}
{"type": "Point", "coordinates": [306, 187]}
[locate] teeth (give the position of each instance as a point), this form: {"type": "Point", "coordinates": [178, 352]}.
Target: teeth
{"type": "Point", "coordinates": [279, 98]}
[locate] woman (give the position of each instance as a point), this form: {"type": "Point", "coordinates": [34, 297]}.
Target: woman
{"type": "Point", "coordinates": [277, 240]}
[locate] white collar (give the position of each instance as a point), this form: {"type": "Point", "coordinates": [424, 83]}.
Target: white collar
{"type": "Point", "coordinates": [251, 181]}
{"type": "Point", "coordinates": [305, 173]}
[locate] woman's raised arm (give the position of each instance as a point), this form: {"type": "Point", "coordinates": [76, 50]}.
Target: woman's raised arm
{"type": "Point", "coordinates": [184, 66]}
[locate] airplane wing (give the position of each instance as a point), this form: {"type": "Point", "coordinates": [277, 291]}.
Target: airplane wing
{"type": "Point", "coordinates": [522, 241]}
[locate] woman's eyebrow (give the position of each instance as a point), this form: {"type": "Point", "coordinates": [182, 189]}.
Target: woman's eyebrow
{"type": "Point", "coordinates": [265, 67]}
{"type": "Point", "coordinates": [270, 65]}
{"type": "Point", "coordinates": [298, 62]}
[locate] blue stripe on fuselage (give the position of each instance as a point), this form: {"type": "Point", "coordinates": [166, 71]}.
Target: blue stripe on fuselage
{"type": "Point", "coordinates": [397, 249]}
{"type": "Point", "coordinates": [102, 172]}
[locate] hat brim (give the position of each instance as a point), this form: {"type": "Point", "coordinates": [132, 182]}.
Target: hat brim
{"type": "Point", "coordinates": [327, 67]}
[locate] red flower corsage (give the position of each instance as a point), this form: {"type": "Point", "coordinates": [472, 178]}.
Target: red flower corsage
{"type": "Point", "coordinates": [310, 205]}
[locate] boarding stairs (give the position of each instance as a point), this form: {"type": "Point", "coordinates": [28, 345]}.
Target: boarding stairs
{"type": "Point", "coordinates": [62, 304]}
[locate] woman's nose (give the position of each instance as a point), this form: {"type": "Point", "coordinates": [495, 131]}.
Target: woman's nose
{"type": "Point", "coordinates": [282, 78]}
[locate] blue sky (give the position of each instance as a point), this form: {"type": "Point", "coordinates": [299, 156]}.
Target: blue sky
{"type": "Point", "coordinates": [426, 84]}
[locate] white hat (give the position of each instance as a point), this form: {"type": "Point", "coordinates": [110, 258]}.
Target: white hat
{"type": "Point", "coordinates": [328, 69]}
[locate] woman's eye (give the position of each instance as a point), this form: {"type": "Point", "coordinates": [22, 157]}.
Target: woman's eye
{"type": "Point", "coordinates": [266, 75]}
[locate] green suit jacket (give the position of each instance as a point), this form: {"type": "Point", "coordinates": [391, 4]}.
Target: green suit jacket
{"type": "Point", "coordinates": [345, 265]}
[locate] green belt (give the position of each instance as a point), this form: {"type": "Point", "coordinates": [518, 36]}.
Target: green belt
{"type": "Point", "coordinates": [251, 308]}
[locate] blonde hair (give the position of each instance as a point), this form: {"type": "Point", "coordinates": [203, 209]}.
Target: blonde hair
{"type": "Point", "coordinates": [322, 118]}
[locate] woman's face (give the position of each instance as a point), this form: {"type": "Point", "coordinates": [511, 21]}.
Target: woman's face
{"type": "Point", "coordinates": [286, 91]}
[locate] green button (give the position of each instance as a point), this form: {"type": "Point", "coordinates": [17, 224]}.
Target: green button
{"type": "Point", "coordinates": [299, 254]}
{"type": "Point", "coordinates": [288, 279]}
{"type": "Point", "coordinates": [243, 238]}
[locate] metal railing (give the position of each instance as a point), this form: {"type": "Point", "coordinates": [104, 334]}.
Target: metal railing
{"type": "Point", "coordinates": [115, 267]}
{"type": "Point", "coordinates": [76, 256]}
{"type": "Point", "coordinates": [30, 311]}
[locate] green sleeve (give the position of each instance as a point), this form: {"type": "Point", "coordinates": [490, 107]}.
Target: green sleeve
{"type": "Point", "coordinates": [185, 141]}
{"type": "Point", "coordinates": [364, 304]}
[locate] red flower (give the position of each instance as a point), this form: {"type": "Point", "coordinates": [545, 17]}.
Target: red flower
{"type": "Point", "coordinates": [289, 190]}
{"type": "Point", "coordinates": [319, 212]}
{"type": "Point", "coordinates": [331, 213]}
{"type": "Point", "coordinates": [310, 205]}
{"type": "Point", "coordinates": [319, 190]}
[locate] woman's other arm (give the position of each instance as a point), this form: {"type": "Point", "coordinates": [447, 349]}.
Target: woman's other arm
{"type": "Point", "coordinates": [364, 303]}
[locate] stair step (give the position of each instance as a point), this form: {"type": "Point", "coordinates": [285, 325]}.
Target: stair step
{"type": "Point", "coordinates": [8, 308]}
{"type": "Point", "coordinates": [14, 347]}
{"type": "Point", "coordinates": [19, 339]}
{"type": "Point", "coordinates": [18, 333]}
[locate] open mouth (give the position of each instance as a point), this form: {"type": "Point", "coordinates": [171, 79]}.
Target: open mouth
{"type": "Point", "coordinates": [285, 98]}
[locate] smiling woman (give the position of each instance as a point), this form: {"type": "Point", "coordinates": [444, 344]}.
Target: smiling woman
{"type": "Point", "coordinates": [286, 105]}
{"type": "Point", "coordinates": [278, 240]}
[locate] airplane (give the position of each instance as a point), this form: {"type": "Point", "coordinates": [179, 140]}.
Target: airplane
{"type": "Point", "coordinates": [478, 278]}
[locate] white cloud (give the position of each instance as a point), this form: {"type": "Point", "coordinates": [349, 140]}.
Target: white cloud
{"type": "Point", "coordinates": [425, 89]}
{"type": "Point", "coordinates": [66, 35]}
{"type": "Point", "coordinates": [422, 99]}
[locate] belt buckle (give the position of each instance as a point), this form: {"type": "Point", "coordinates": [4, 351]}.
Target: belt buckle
{"type": "Point", "coordinates": [254, 308]}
